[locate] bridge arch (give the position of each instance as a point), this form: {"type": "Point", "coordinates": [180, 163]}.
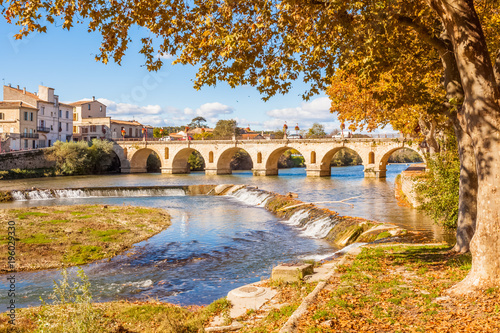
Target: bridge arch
{"type": "Point", "coordinates": [325, 162]}
{"type": "Point", "coordinates": [271, 162]}
{"type": "Point", "coordinates": [224, 160]}
{"type": "Point", "coordinates": [139, 158]}
{"type": "Point", "coordinates": [384, 157]}
{"type": "Point", "coordinates": [180, 160]}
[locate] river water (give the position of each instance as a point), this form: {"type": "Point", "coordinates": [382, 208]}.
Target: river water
{"type": "Point", "coordinates": [215, 244]}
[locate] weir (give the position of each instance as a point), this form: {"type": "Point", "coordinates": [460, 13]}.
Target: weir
{"type": "Point", "coordinates": [311, 221]}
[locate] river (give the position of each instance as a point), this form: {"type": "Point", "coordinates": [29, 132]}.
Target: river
{"type": "Point", "coordinates": [215, 244]}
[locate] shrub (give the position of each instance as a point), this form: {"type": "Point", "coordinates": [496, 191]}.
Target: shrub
{"type": "Point", "coordinates": [72, 309]}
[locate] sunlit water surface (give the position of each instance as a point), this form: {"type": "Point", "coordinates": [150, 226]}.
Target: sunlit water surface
{"type": "Point", "coordinates": [215, 244]}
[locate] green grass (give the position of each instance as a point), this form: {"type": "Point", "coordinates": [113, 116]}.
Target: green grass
{"type": "Point", "coordinates": [108, 235]}
{"type": "Point", "coordinates": [382, 235]}
{"type": "Point", "coordinates": [36, 239]}
{"type": "Point", "coordinates": [81, 254]}
{"type": "Point", "coordinates": [26, 214]}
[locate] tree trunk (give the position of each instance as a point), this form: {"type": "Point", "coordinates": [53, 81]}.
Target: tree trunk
{"type": "Point", "coordinates": [467, 202]}
{"type": "Point", "coordinates": [481, 115]}
{"type": "Point", "coordinates": [497, 69]}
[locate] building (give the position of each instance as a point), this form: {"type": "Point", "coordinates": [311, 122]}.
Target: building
{"type": "Point", "coordinates": [18, 126]}
{"type": "Point", "coordinates": [133, 129]}
{"type": "Point", "coordinates": [54, 121]}
{"type": "Point", "coordinates": [90, 120]}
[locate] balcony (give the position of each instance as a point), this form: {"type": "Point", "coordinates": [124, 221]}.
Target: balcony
{"type": "Point", "coordinates": [43, 129]}
{"type": "Point", "coordinates": [29, 135]}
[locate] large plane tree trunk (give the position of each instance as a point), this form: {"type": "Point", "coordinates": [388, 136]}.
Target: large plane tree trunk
{"type": "Point", "coordinates": [467, 203]}
{"type": "Point", "coordinates": [481, 115]}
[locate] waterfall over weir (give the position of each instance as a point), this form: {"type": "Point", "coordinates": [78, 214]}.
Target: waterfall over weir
{"type": "Point", "coordinates": [314, 227]}
{"type": "Point", "coordinates": [311, 225]}
{"type": "Point", "coordinates": [95, 192]}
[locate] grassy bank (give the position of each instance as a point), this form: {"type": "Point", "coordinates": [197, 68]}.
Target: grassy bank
{"type": "Point", "coordinates": [402, 289]}
{"type": "Point", "coordinates": [27, 173]}
{"type": "Point", "coordinates": [61, 236]}
{"type": "Point", "coordinates": [113, 317]}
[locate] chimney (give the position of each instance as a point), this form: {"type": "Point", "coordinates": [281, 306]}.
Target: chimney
{"type": "Point", "coordinates": [24, 90]}
{"type": "Point", "coordinates": [93, 98]}
{"type": "Point", "coordinates": [17, 86]}
{"type": "Point", "coordinates": [10, 85]}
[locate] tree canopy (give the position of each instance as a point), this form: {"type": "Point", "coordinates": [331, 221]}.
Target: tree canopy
{"type": "Point", "coordinates": [404, 61]}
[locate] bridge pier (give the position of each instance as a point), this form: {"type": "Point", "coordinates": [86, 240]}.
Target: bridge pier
{"type": "Point", "coordinates": [265, 172]}
{"type": "Point", "coordinates": [214, 172]}
{"type": "Point", "coordinates": [318, 172]}
{"type": "Point", "coordinates": [172, 171]}
{"type": "Point", "coordinates": [372, 172]}
{"type": "Point", "coordinates": [133, 170]}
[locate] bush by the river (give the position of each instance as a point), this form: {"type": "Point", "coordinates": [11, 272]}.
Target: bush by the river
{"type": "Point", "coordinates": [438, 188]}
{"type": "Point", "coordinates": [81, 157]}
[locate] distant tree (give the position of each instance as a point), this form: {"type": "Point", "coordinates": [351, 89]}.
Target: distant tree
{"type": "Point", "coordinates": [153, 163]}
{"type": "Point", "coordinates": [203, 136]}
{"type": "Point", "coordinates": [77, 158]}
{"type": "Point", "coordinates": [196, 161]}
{"type": "Point", "coordinates": [99, 155]}
{"type": "Point", "coordinates": [198, 122]}
{"type": "Point", "coordinates": [316, 131]}
{"type": "Point", "coordinates": [225, 128]}
{"type": "Point", "coordinates": [335, 132]}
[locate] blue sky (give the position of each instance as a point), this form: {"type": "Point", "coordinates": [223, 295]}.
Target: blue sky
{"type": "Point", "coordinates": [65, 61]}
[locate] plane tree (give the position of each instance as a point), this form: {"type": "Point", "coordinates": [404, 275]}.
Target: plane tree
{"type": "Point", "coordinates": [269, 44]}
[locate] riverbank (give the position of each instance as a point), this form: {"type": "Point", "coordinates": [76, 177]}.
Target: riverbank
{"type": "Point", "coordinates": [62, 236]}
{"type": "Point", "coordinates": [389, 288]}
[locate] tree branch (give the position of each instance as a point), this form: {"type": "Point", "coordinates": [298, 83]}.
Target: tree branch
{"type": "Point", "coordinates": [424, 34]}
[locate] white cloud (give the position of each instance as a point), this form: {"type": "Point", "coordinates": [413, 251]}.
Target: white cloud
{"type": "Point", "coordinates": [166, 56]}
{"type": "Point", "coordinates": [157, 115]}
{"type": "Point", "coordinates": [315, 111]}
{"type": "Point", "coordinates": [212, 111]}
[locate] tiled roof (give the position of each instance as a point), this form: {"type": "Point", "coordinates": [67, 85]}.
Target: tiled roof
{"type": "Point", "coordinates": [80, 103]}
{"type": "Point", "coordinates": [126, 122]}
{"type": "Point", "coordinates": [22, 92]}
{"type": "Point", "coordinates": [16, 104]}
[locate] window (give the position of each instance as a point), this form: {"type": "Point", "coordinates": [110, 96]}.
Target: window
{"type": "Point", "coordinates": [89, 106]}
{"type": "Point", "coordinates": [31, 116]}
{"type": "Point", "coordinates": [75, 116]}
{"type": "Point", "coordinates": [100, 108]}
{"type": "Point", "coordinates": [2, 116]}
{"type": "Point", "coordinates": [26, 144]}
{"type": "Point", "coordinates": [60, 113]}
{"type": "Point", "coordinates": [93, 128]}
{"type": "Point", "coordinates": [43, 109]}
{"type": "Point", "coordinates": [75, 129]}
{"type": "Point", "coordinates": [31, 132]}
{"type": "Point", "coordinates": [26, 116]}
{"type": "Point", "coordinates": [67, 127]}
{"type": "Point", "coordinates": [67, 114]}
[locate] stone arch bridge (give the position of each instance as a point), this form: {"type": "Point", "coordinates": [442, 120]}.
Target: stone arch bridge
{"type": "Point", "coordinates": [264, 154]}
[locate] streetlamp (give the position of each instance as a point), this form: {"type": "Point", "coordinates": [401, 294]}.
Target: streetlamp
{"type": "Point", "coordinates": [144, 133]}
{"type": "Point", "coordinates": [297, 129]}
{"type": "Point", "coordinates": [285, 128]}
